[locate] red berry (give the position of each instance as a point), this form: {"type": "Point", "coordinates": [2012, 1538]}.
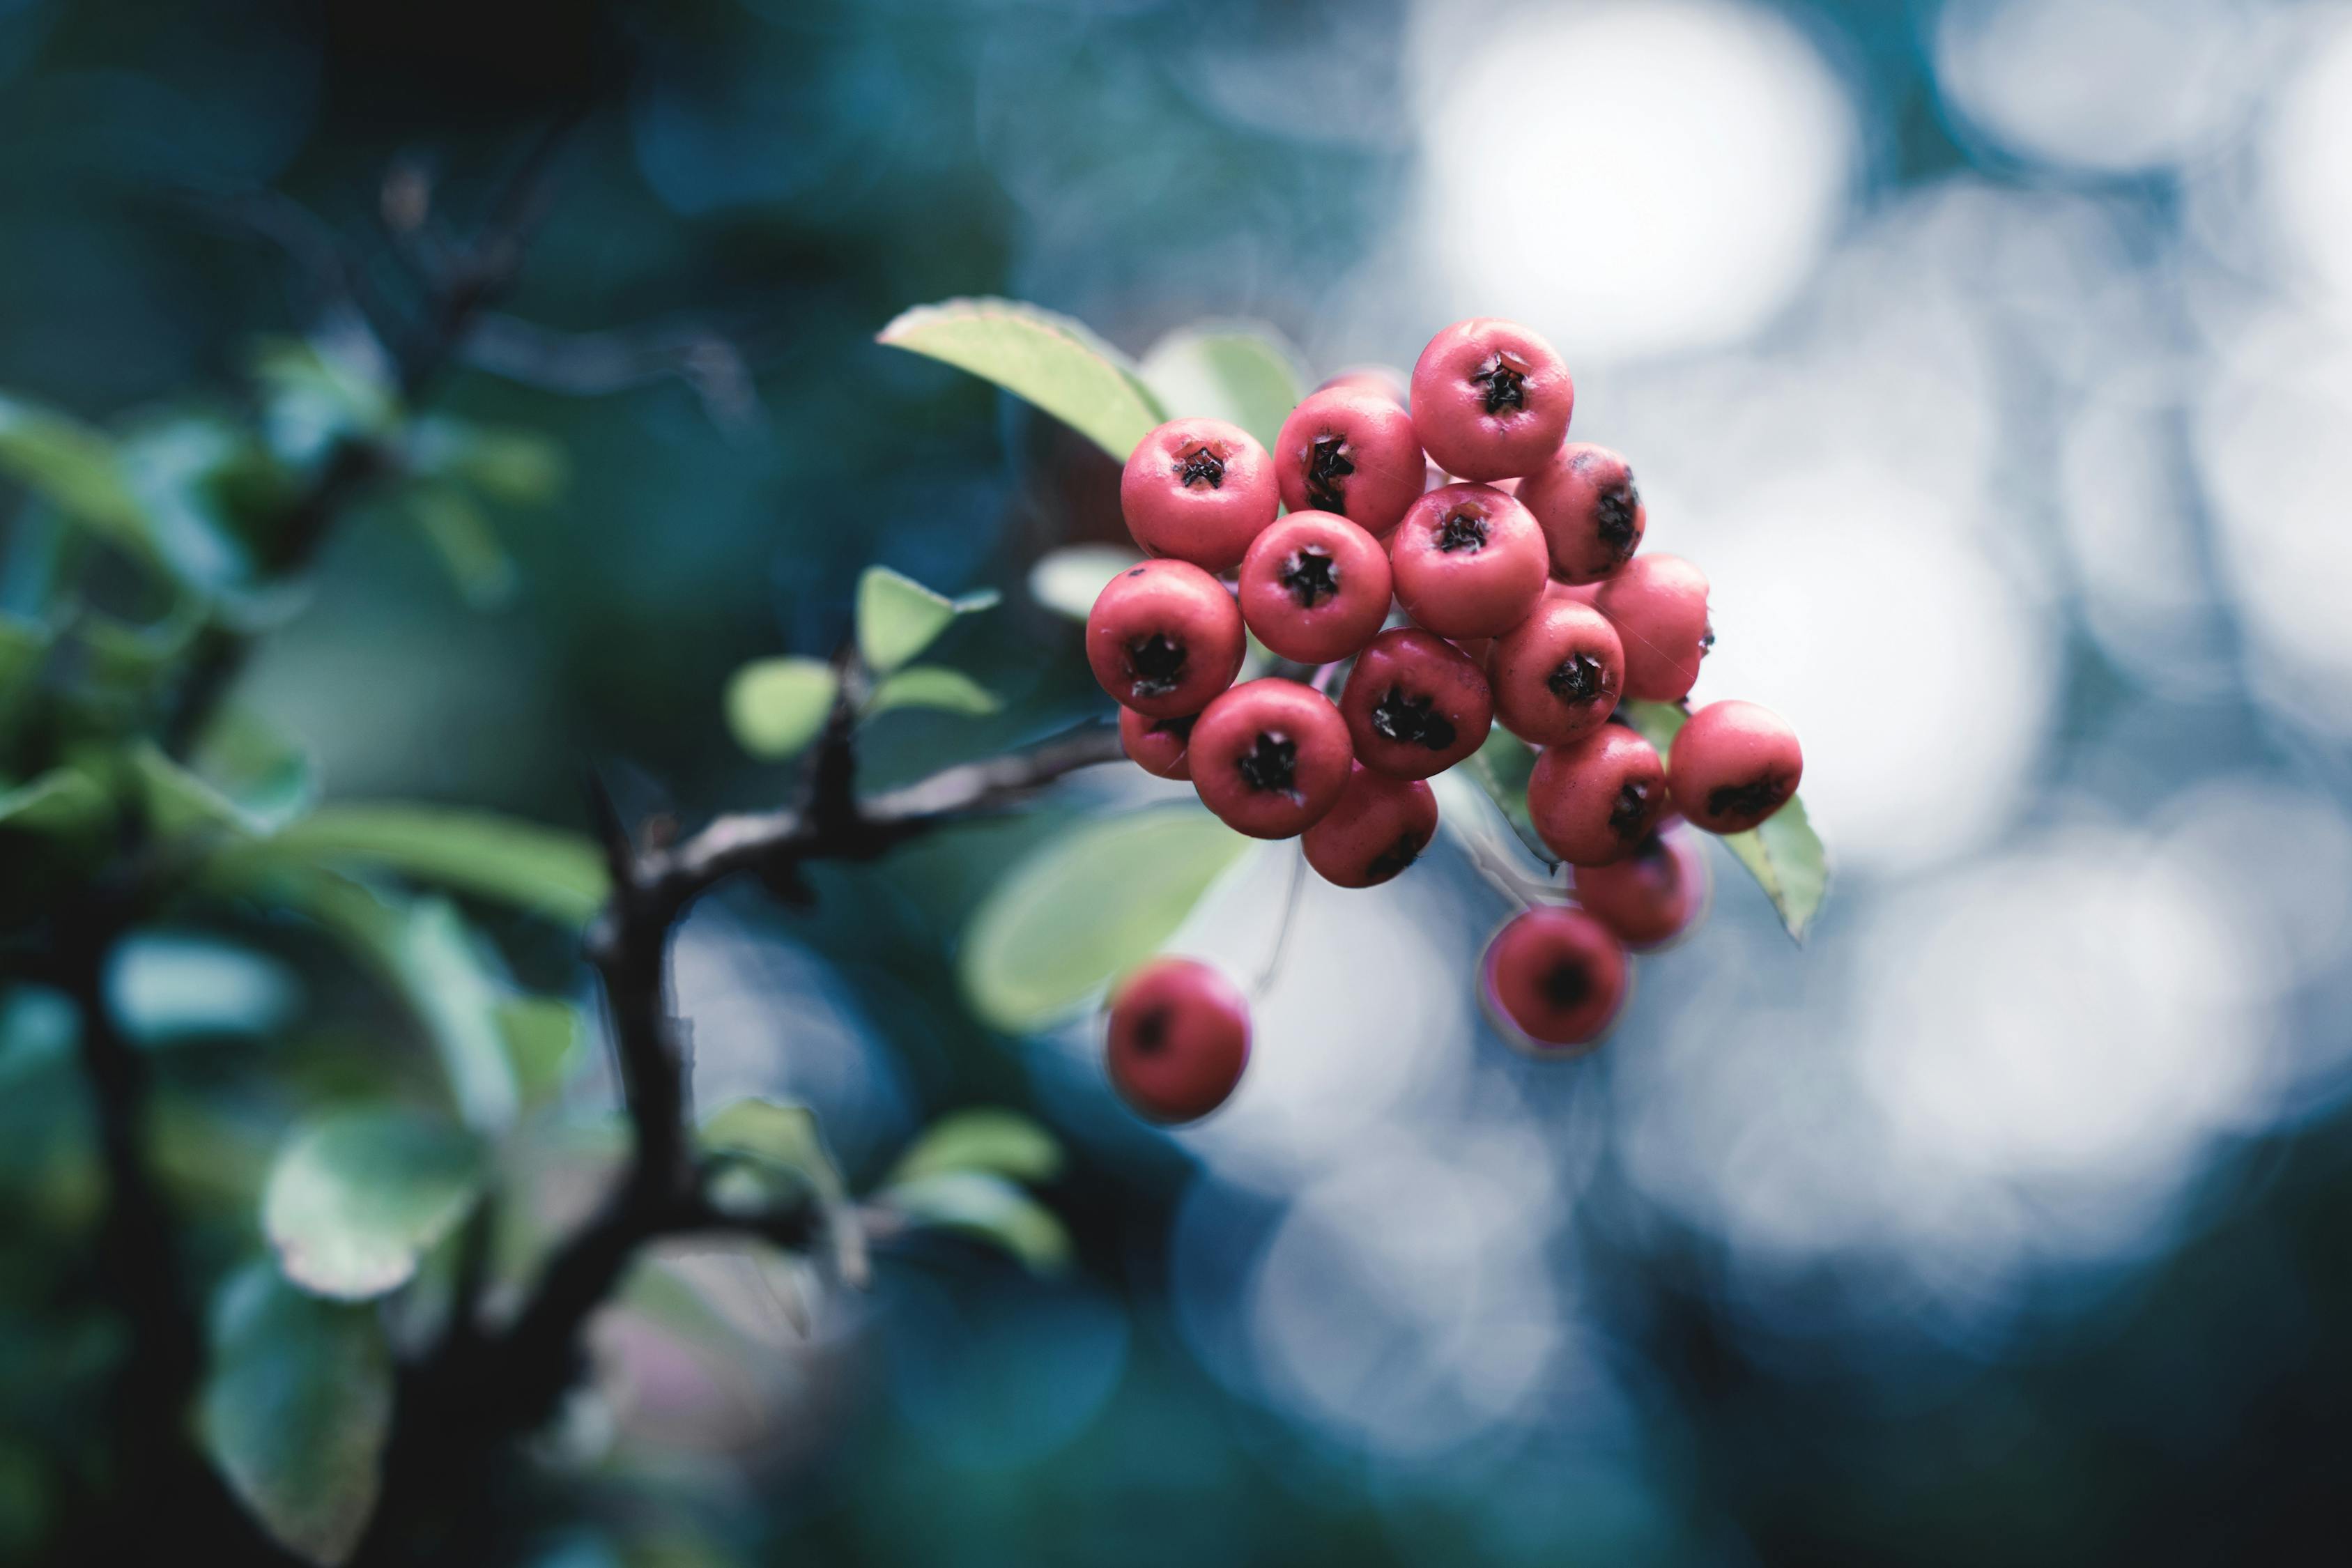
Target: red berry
{"type": "Point", "coordinates": [1416, 704]}
{"type": "Point", "coordinates": [1351, 452]}
{"type": "Point", "coordinates": [1469, 561]}
{"type": "Point", "coordinates": [1732, 764]}
{"type": "Point", "coordinates": [1557, 674]}
{"type": "Point", "coordinates": [1165, 637]}
{"type": "Point", "coordinates": [1270, 757]}
{"type": "Point", "coordinates": [1591, 516]}
{"type": "Point", "coordinates": [1200, 490]}
{"type": "Point", "coordinates": [1380, 826]}
{"type": "Point", "coordinates": [1490, 399]}
{"type": "Point", "coordinates": [1157, 745]}
{"type": "Point", "coordinates": [1554, 978]}
{"type": "Point", "coordinates": [1315, 587]}
{"type": "Point", "coordinates": [1655, 895]}
{"type": "Point", "coordinates": [1593, 802]}
{"type": "Point", "coordinates": [1658, 604]}
{"type": "Point", "coordinates": [1178, 1040]}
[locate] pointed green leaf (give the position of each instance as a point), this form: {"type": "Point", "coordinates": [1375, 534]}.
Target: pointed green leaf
{"type": "Point", "coordinates": [898, 617]}
{"type": "Point", "coordinates": [467, 545]}
{"type": "Point", "coordinates": [1244, 372]}
{"type": "Point", "coordinates": [1087, 906]}
{"type": "Point", "coordinates": [933, 686]}
{"type": "Point", "coordinates": [1067, 581]}
{"type": "Point", "coordinates": [543, 870]}
{"type": "Point", "coordinates": [987, 1139]}
{"type": "Point", "coordinates": [775, 707]}
{"type": "Point", "coordinates": [295, 1410]}
{"type": "Point", "coordinates": [180, 804]}
{"type": "Point", "coordinates": [544, 1036]}
{"type": "Point", "coordinates": [987, 1208]}
{"type": "Point", "coordinates": [75, 465]}
{"type": "Point", "coordinates": [1047, 360]}
{"type": "Point", "coordinates": [356, 1198]}
{"type": "Point", "coordinates": [785, 1142]}
{"type": "Point", "coordinates": [63, 800]}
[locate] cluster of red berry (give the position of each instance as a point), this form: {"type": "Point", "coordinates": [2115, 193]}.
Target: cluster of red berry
{"type": "Point", "coordinates": [1510, 552]}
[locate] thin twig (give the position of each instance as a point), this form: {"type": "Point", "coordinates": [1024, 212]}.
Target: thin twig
{"type": "Point", "coordinates": [1289, 918]}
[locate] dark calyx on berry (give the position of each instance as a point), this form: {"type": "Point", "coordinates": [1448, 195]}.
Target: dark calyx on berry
{"type": "Point", "coordinates": [1310, 576]}
{"type": "Point", "coordinates": [1629, 819]}
{"type": "Point", "coordinates": [1270, 765]}
{"type": "Point", "coordinates": [1158, 665]}
{"type": "Point", "coordinates": [1200, 466]}
{"type": "Point", "coordinates": [1578, 679]}
{"type": "Point", "coordinates": [1506, 385]}
{"type": "Point", "coordinates": [1566, 983]}
{"type": "Point", "coordinates": [1706, 640]}
{"type": "Point", "coordinates": [1327, 463]}
{"type": "Point", "coordinates": [1412, 720]}
{"type": "Point", "coordinates": [1464, 530]}
{"type": "Point", "coordinates": [1395, 857]}
{"type": "Point", "coordinates": [1618, 505]}
{"type": "Point", "coordinates": [1151, 1032]}
{"type": "Point", "coordinates": [1758, 796]}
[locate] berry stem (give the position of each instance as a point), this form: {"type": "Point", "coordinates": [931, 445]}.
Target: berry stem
{"type": "Point", "coordinates": [1273, 966]}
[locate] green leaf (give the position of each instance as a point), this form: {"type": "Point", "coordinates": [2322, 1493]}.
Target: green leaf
{"type": "Point", "coordinates": [1500, 767]}
{"type": "Point", "coordinates": [933, 686]}
{"type": "Point", "coordinates": [1001, 1143]}
{"type": "Point", "coordinates": [316, 395]}
{"type": "Point", "coordinates": [784, 1142]}
{"type": "Point", "coordinates": [775, 707]}
{"type": "Point", "coordinates": [63, 800]}
{"type": "Point", "coordinates": [542, 1035]}
{"type": "Point", "coordinates": [1047, 360]}
{"type": "Point", "coordinates": [898, 617]}
{"type": "Point", "coordinates": [296, 1410]}
{"type": "Point", "coordinates": [1067, 581]}
{"type": "Point", "coordinates": [520, 468]}
{"type": "Point", "coordinates": [356, 1198]}
{"type": "Point", "coordinates": [180, 804]}
{"type": "Point", "coordinates": [175, 469]}
{"type": "Point", "coordinates": [1243, 372]}
{"type": "Point", "coordinates": [135, 657]}
{"type": "Point", "coordinates": [987, 1208]}
{"type": "Point", "coordinates": [267, 773]}
{"type": "Point", "coordinates": [467, 545]}
{"type": "Point", "coordinates": [1087, 906]}
{"type": "Point", "coordinates": [542, 870]}
{"type": "Point", "coordinates": [73, 465]}
{"type": "Point", "coordinates": [1784, 855]}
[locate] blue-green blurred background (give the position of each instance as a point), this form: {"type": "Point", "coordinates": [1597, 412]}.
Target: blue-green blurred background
{"type": "Point", "coordinates": [1993, 356]}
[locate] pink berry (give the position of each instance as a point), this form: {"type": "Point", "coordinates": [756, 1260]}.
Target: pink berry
{"type": "Point", "coordinates": [1416, 704]}
{"type": "Point", "coordinates": [1557, 674]}
{"type": "Point", "coordinates": [1178, 1040]}
{"type": "Point", "coordinates": [1165, 637]}
{"type": "Point", "coordinates": [1591, 516]}
{"type": "Point", "coordinates": [1380, 826]}
{"type": "Point", "coordinates": [1658, 604]}
{"type": "Point", "coordinates": [1655, 895]}
{"type": "Point", "coordinates": [1157, 745]}
{"type": "Point", "coordinates": [1270, 757]}
{"type": "Point", "coordinates": [1315, 587]}
{"type": "Point", "coordinates": [1468, 562]}
{"type": "Point", "coordinates": [1490, 399]}
{"type": "Point", "coordinates": [1732, 765]}
{"type": "Point", "coordinates": [1350, 452]}
{"type": "Point", "coordinates": [1199, 490]}
{"type": "Point", "coordinates": [1593, 802]}
{"type": "Point", "coordinates": [1554, 979]}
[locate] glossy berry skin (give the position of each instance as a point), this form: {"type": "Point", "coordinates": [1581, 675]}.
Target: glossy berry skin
{"type": "Point", "coordinates": [1198, 490]}
{"type": "Point", "coordinates": [1315, 587]}
{"type": "Point", "coordinates": [1469, 561]}
{"type": "Point", "coordinates": [1178, 1040]}
{"type": "Point", "coordinates": [1416, 704]}
{"type": "Point", "coordinates": [1655, 895]}
{"type": "Point", "coordinates": [1585, 501]}
{"type": "Point", "coordinates": [1732, 765]}
{"type": "Point", "coordinates": [1380, 826]}
{"type": "Point", "coordinates": [1350, 451]}
{"type": "Point", "coordinates": [1157, 745]}
{"type": "Point", "coordinates": [1658, 604]}
{"type": "Point", "coordinates": [1556, 675]}
{"type": "Point", "coordinates": [1554, 979]}
{"type": "Point", "coordinates": [1270, 757]}
{"type": "Point", "coordinates": [1490, 400]}
{"type": "Point", "coordinates": [1165, 637]}
{"type": "Point", "coordinates": [1594, 802]}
